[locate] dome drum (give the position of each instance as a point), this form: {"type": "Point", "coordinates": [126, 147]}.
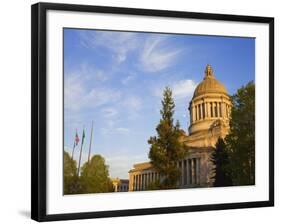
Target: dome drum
{"type": "Point", "coordinates": [210, 102]}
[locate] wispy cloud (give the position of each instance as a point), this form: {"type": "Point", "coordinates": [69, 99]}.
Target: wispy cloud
{"type": "Point", "coordinates": [183, 88]}
{"type": "Point", "coordinates": [100, 96]}
{"type": "Point", "coordinates": [115, 130]}
{"type": "Point", "coordinates": [120, 43]}
{"type": "Point", "coordinates": [157, 54]}
{"type": "Point", "coordinates": [78, 96]}
{"type": "Point", "coordinates": [133, 103]}
{"type": "Point", "coordinates": [73, 91]}
{"type": "Point", "coordinates": [122, 130]}
{"type": "Point", "coordinates": [128, 79]}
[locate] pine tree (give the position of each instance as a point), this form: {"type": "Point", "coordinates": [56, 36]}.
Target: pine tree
{"type": "Point", "coordinates": [220, 160]}
{"type": "Point", "coordinates": [241, 139]}
{"type": "Point", "coordinates": [166, 148]}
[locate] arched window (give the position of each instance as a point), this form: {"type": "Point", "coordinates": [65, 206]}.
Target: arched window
{"type": "Point", "coordinates": [211, 105]}
{"type": "Point", "coordinates": [220, 111]}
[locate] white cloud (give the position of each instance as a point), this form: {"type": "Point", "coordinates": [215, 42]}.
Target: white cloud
{"type": "Point", "coordinates": [128, 79]}
{"type": "Point", "coordinates": [73, 91]}
{"type": "Point", "coordinates": [100, 96]}
{"type": "Point", "coordinates": [183, 88]}
{"type": "Point", "coordinates": [91, 73]}
{"type": "Point", "coordinates": [133, 103]}
{"type": "Point", "coordinates": [120, 43]}
{"type": "Point", "coordinates": [122, 130]}
{"type": "Point", "coordinates": [115, 130]}
{"type": "Point", "coordinates": [157, 54]}
{"type": "Point", "coordinates": [78, 96]}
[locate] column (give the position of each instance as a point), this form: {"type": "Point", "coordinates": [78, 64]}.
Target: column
{"type": "Point", "coordinates": [213, 109]}
{"type": "Point", "coordinates": [195, 170]}
{"type": "Point", "coordinates": [139, 182]}
{"type": "Point", "coordinates": [223, 109]}
{"type": "Point", "coordinates": [227, 111]}
{"type": "Point", "coordinates": [178, 166]}
{"type": "Point", "coordinates": [187, 172]}
{"type": "Point", "coordinates": [134, 182]}
{"type": "Point", "coordinates": [192, 172]}
{"type": "Point", "coordinates": [190, 117]}
{"type": "Point", "coordinates": [206, 109]}
{"type": "Point", "coordinates": [218, 109]}
{"type": "Point", "coordinates": [180, 177]}
{"type": "Point", "coordinates": [193, 113]}
{"type": "Point", "coordinates": [197, 113]}
{"type": "Point", "coordinates": [144, 181]}
{"type": "Point", "coordinates": [182, 173]}
{"type": "Point", "coordinates": [198, 170]}
{"type": "Point", "coordinates": [194, 109]}
{"type": "Point", "coordinates": [201, 111]}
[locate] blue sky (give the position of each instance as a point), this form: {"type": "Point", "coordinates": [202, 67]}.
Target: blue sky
{"type": "Point", "coordinates": [116, 79]}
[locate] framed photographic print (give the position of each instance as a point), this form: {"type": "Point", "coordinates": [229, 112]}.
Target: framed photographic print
{"type": "Point", "coordinates": [139, 111]}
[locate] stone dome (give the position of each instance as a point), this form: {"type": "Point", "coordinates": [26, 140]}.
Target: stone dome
{"type": "Point", "coordinates": [209, 84]}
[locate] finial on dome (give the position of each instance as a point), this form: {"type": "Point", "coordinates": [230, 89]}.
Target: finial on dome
{"type": "Point", "coordinates": [209, 72]}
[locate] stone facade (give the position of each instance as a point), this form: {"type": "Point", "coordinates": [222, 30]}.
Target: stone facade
{"type": "Point", "coordinates": [120, 185]}
{"type": "Point", "coordinates": [209, 112]}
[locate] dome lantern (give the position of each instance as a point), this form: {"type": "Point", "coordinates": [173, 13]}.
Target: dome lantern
{"type": "Point", "coordinates": [209, 84]}
{"type": "Point", "coordinates": [209, 72]}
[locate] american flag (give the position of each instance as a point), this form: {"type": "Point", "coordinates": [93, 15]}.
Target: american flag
{"type": "Point", "coordinates": [77, 138]}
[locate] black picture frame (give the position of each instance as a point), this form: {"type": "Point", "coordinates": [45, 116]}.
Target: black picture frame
{"type": "Point", "coordinates": [39, 107]}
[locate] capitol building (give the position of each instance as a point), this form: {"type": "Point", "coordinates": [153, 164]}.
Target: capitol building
{"type": "Point", "coordinates": [209, 112]}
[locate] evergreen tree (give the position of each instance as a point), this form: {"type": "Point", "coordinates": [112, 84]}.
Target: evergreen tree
{"type": "Point", "coordinates": [166, 148]}
{"type": "Point", "coordinates": [241, 139]}
{"type": "Point", "coordinates": [220, 161]}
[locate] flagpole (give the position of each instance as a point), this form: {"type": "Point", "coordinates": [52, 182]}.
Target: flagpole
{"type": "Point", "coordinates": [83, 136]}
{"type": "Point", "coordinates": [73, 150]}
{"type": "Point", "coordinates": [74, 144]}
{"type": "Point", "coordinates": [90, 142]}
